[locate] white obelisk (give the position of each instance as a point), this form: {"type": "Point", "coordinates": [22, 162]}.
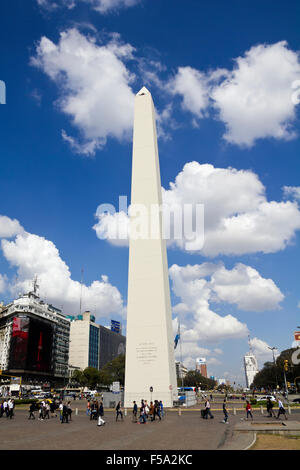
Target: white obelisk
{"type": "Point", "coordinates": [150, 364]}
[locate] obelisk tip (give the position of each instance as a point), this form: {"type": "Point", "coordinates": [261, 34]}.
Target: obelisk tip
{"type": "Point", "coordinates": [143, 91]}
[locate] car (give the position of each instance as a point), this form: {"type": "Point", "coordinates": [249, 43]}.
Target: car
{"type": "Point", "coordinates": [265, 397]}
{"type": "Point", "coordinates": [296, 400]}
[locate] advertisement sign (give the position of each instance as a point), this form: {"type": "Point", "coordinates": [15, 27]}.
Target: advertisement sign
{"type": "Point", "coordinates": [297, 335]}
{"type": "Point", "coordinates": [115, 326]}
{"type": "Point", "coordinates": [116, 387]}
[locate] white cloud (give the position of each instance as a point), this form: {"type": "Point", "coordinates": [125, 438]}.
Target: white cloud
{"type": "Point", "coordinates": [102, 6]}
{"type": "Point", "coordinates": [292, 191]}
{"type": "Point", "coordinates": [9, 227]}
{"type": "Point", "coordinates": [33, 255]}
{"type": "Point", "coordinates": [254, 100]}
{"type": "Point", "coordinates": [192, 85]}
{"type": "Point", "coordinates": [244, 287]}
{"type": "Point", "coordinates": [202, 325]}
{"type": "Point", "coordinates": [238, 218]}
{"type": "Point", "coordinates": [94, 86]}
{"type": "Point", "coordinates": [261, 350]}
{"type": "Point", "coordinates": [196, 287]}
{"type": "Point", "coordinates": [3, 281]}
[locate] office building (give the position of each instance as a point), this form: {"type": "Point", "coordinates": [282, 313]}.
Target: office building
{"type": "Point", "coordinates": [34, 339]}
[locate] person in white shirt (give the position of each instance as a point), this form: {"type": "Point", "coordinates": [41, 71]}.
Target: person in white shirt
{"type": "Point", "coordinates": [281, 410]}
{"type": "Point", "coordinates": [5, 408]}
{"type": "Point", "coordinates": [11, 406]}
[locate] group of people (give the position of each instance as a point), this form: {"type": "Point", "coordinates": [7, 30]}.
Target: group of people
{"type": "Point", "coordinates": [95, 411]}
{"type": "Point", "coordinates": [148, 412]}
{"type": "Point", "coordinates": [270, 406]}
{"type": "Point", "coordinates": [47, 407]}
{"type": "Point", "coordinates": [7, 408]}
{"type": "Point", "coordinates": [281, 410]}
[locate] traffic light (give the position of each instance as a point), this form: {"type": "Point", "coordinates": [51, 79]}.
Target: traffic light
{"type": "Point", "coordinates": [288, 385]}
{"type": "Point", "coordinates": [286, 365]}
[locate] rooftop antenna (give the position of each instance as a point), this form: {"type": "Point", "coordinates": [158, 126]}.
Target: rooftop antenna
{"type": "Point", "coordinates": [250, 346]}
{"type": "Point", "coordinates": [35, 285]}
{"type": "Point", "coordinates": [81, 291]}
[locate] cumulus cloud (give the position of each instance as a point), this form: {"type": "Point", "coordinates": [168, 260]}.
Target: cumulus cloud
{"type": "Point", "coordinates": [261, 350]}
{"type": "Point", "coordinates": [192, 85]}
{"type": "Point", "coordinates": [33, 255]}
{"type": "Point", "coordinates": [238, 218]}
{"type": "Point", "coordinates": [197, 286]}
{"type": "Point", "coordinates": [244, 287]}
{"type": "Point", "coordinates": [202, 324]}
{"type": "Point", "coordinates": [253, 100]}
{"type": "Point", "coordinates": [94, 86]}
{"type": "Point", "coordinates": [9, 227]}
{"type": "Point", "coordinates": [292, 192]}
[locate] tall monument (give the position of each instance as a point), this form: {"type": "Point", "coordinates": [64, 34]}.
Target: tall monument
{"type": "Point", "coordinates": [150, 364]}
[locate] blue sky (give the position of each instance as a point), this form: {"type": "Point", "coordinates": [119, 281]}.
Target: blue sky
{"type": "Point", "coordinates": [221, 76]}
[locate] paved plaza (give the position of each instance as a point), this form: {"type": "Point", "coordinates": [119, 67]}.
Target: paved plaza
{"type": "Point", "coordinates": [174, 432]}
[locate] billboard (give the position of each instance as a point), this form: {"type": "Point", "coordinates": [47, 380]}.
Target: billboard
{"type": "Point", "coordinates": [115, 326]}
{"type": "Point", "coordinates": [297, 335]}
{"type": "Point", "coordinates": [31, 344]}
{"type": "Point", "coordinates": [201, 360]}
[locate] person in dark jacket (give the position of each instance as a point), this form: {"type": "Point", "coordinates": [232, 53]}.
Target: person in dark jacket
{"type": "Point", "coordinates": [119, 411]}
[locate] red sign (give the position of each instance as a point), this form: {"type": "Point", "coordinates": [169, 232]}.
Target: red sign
{"type": "Point", "coordinates": [297, 335]}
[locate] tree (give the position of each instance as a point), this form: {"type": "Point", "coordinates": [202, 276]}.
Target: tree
{"type": "Point", "coordinates": [89, 377]}
{"type": "Point", "coordinates": [113, 371]}
{"type": "Point", "coordinates": [194, 379]}
{"type": "Point", "coordinates": [272, 374]}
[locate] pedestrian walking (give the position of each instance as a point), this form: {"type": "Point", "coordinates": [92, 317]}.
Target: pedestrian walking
{"type": "Point", "coordinates": [101, 421]}
{"type": "Point", "coordinates": [11, 406]}
{"type": "Point", "coordinates": [60, 409]}
{"type": "Point", "coordinates": [119, 411]}
{"type": "Point", "coordinates": [65, 414]}
{"type": "Point", "coordinates": [143, 418]}
{"type": "Point", "coordinates": [47, 410]}
{"type": "Point", "coordinates": [156, 410]}
{"type": "Point", "coordinates": [225, 420]}
{"type": "Point", "coordinates": [69, 408]}
{"type": "Point", "coordinates": [93, 411]}
{"type": "Point", "coordinates": [207, 410]}
{"type": "Point", "coordinates": [248, 410]}
{"type": "Point", "coordinates": [270, 408]}
{"type": "Point", "coordinates": [134, 412]}
{"type": "Point", "coordinates": [161, 407]}
{"type": "Point", "coordinates": [147, 409]}
{"type": "Point", "coordinates": [281, 409]}
{"type": "Point", "coordinates": [31, 411]}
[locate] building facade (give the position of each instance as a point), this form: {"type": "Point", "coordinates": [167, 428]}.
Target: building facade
{"type": "Point", "coordinates": [201, 366]}
{"type": "Point", "coordinates": [181, 370]}
{"type": "Point", "coordinates": [92, 345]}
{"type": "Point", "coordinates": [34, 339]}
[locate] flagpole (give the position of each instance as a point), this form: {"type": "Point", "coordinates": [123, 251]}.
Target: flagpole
{"type": "Point", "coordinates": [180, 356]}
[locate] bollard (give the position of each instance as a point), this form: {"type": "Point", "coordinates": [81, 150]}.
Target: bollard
{"type": "Point", "coordinates": [76, 411]}
{"type": "Point", "coordinates": [289, 410]}
{"type": "Point", "coordinates": [261, 410]}
{"type": "Point", "coordinates": [234, 411]}
{"type": "Point", "coordinates": [179, 411]}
